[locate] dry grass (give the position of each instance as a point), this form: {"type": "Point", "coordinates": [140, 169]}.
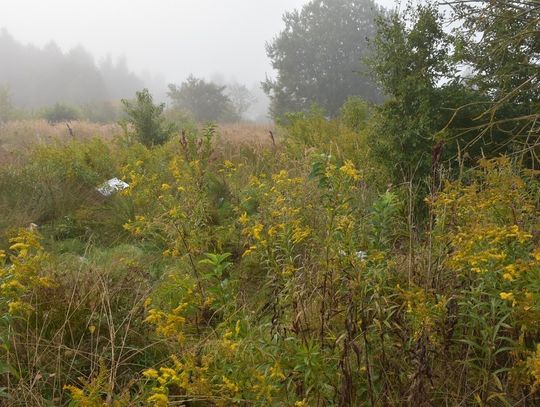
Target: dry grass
{"type": "Point", "coordinates": [245, 133]}
{"type": "Point", "coordinates": [17, 136]}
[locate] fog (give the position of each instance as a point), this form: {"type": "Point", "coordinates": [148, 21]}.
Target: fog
{"type": "Point", "coordinates": [163, 41]}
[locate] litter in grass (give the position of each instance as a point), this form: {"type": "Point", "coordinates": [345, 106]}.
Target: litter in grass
{"type": "Point", "coordinates": [360, 254]}
{"type": "Point", "coordinates": [111, 186]}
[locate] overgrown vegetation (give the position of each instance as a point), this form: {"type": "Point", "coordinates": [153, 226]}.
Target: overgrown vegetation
{"type": "Point", "coordinates": [319, 56]}
{"type": "Point", "coordinates": [146, 118]}
{"type": "Point", "coordinates": [384, 256]}
{"type": "Point", "coordinates": [206, 101]}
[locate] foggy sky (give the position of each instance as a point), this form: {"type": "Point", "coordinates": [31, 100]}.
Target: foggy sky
{"type": "Point", "coordinates": [169, 37]}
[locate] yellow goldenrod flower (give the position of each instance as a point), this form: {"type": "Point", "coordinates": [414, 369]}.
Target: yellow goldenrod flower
{"type": "Point", "coordinates": [249, 251]}
{"type": "Point", "coordinates": [533, 363]}
{"type": "Point", "coordinates": [19, 307]}
{"type": "Point", "coordinates": [76, 393]}
{"type": "Point", "coordinates": [276, 372]}
{"type": "Point", "coordinates": [244, 219]}
{"type": "Point", "coordinates": [349, 170]}
{"type": "Point", "coordinates": [256, 231]}
{"type": "Point", "coordinates": [231, 386]}
{"type": "Point", "coordinates": [12, 285]}
{"type": "Point", "coordinates": [158, 400]}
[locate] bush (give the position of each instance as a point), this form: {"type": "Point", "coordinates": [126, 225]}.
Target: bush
{"type": "Point", "coordinates": [150, 127]}
{"type": "Point", "coordinates": [102, 112]}
{"type": "Point", "coordinates": [207, 101]}
{"type": "Point", "coordinates": [268, 275]}
{"type": "Point", "coordinates": [355, 113]}
{"type": "Point", "coordinates": [61, 113]}
{"type": "Point", "coordinates": [182, 121]}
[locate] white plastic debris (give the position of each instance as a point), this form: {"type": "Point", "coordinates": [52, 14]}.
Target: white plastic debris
{"type": "Point", "coordinates": [360, 254]}
{"type": "Point", "coordinates": [111, 186]}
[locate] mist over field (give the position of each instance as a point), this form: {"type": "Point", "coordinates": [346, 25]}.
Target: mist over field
{"type": "Point", "coordinates": [148, 44]}
{"type": "Point", "coordinates": [262, 203]}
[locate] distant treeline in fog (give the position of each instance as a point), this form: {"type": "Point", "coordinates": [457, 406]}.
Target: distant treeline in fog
{"type": "Point", "coordinates": [38, 77]}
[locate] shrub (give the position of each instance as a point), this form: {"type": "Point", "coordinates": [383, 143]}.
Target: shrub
{"type": "Point", "coordinates": [150, 127]}
{"type": "Point", "coordinates": [207, 101]}
{"type": "Point", "coordinates": [61, 113]}
{"type": "Point", "coordinates": [355, 113]}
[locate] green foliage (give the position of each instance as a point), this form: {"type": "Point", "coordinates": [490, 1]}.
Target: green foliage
{"type": "Point", "coordinates": [385, 221]}
{"type": "Point", "coordinates": [287, 274]}
{"type": "Point", "coordinates": [102, 112]}
{"type": "Point", "coordinates": [318, 56]}
{"type": "Point", "coordinates": [310, 285]}
{"type": "Point", "coordinates": [409, 61]}
{"type": "Point", "coordinates": [503, 68]}
{"type": "Point", "coordinates": [207, 101]}
{"type": "Point", "coordinates": [147, 119]}
{"type": "Point", "coordinates": [6, 105]}
{"type": "Point", "coordinates": [355, 113]}
{"type": "Point", "coordinates": [181, 120]}
{"type": "Point", "coordinates": [61, 113]}
{"type": "Point", "coordinates": [220, 279]}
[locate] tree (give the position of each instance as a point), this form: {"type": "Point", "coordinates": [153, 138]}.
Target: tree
{"type": "Point", "coordinates": [318, 56]}
{"type": "Point", "coordinates": [205, 100]}
{"type": "Point", "coordinates": [408, 61]}
{"type": "Point", "coordinates": [41, 77]}
{"type": "Point", "coordinates": [61, 113]}
{"type": "Point", "coordinates": [147, 119]}
{"type": "Point", "coordinates": [499, 42]}
{"type": "Point", "coordinates": [355, 113]}
{"type": "Point", "coordinates": [412, 64]}
{"type": "Point", "coordinates": [241, 98]}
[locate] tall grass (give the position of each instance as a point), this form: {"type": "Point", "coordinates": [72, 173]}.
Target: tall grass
{"type": "Point", "coordinates": [234, 272]}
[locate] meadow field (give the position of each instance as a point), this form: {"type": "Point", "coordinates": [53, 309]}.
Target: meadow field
{"type": "Point", "coordinates": [233, 271]}
{"type": "Point", "coordinates": [377, 244]}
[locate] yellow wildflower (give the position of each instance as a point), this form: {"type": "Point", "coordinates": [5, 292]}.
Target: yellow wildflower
{"type": "Point", "coordinates": [507, 296]}
{"type": "Point", "coordinates": [244, 219]}
{"type": "Point", "coordinates": [276, 372]}
{"type": "Point", "coordinates": [76, 393]}
{"type": "Point", "coordinates": [249, 251]}
{"type": "Point", "coordinates": [300, 234]}
{"type": "Point", "coordinates": [19, 307]}
{"type": "Point", "coordinates": [13, 284]}
{"type": "Point", "coordinates": [159, 400]}
{"type": "Point", "coordinates": [256, 231]}
{"type": "Point", "coordinates": [350, 170]}
{"type": "Point", "coordinates": [151, 374]}
{"type": "Point", "coordinates": [533, 363]}
{"type": "Point", "coordinates": [231, 386]}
